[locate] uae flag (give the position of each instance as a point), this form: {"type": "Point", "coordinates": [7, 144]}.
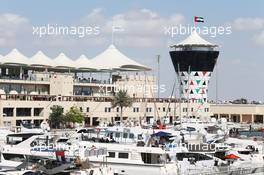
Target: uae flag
{"type": "Point", "coordinates": [198, 19]}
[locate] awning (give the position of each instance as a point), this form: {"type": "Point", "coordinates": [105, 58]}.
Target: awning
{"type": "Point", "coordinates": [194, 40]}
{"type": "Point", "coordinates": [231, 156]}
{"type": "Point", "coordinates": [15, 58]}
{"type": "Point", "coordinates": [64, 62]}
{"type": "Point", "coordinates": [41, 60]}
{"type": "Point", "coordinates": [113, 59]}
{"type": "Point", "coordinates": [161, 134]}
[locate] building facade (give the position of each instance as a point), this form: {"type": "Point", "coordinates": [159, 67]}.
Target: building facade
{"type": "Point", "coordinates": [31, 100]}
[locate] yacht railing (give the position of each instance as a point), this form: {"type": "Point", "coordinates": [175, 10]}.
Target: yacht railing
{"type": "Point", "coordinates": [227, 171]}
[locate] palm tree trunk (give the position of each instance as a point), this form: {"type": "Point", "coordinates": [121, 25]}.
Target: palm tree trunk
{"type": "Point", "coordinates": [121, 114]}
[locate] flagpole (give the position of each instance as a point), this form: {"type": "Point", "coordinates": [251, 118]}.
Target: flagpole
{"type": "Point", "coordinates": [116, 29]}
{"type": "Point", "coordinates": [194, 20]}
{"type": "Point", "coordinates": [112, 41]}
{"type": "Point", "coordinates": [158, 61]}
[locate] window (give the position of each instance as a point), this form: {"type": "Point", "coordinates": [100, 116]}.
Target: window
{"type": "Point", "coordinates": [125, 135]}
{"type": "Point", "coordinates": [87, 109]}
{"type": "Point", "coordinates": [38, 111]}
{"type": "Point", "coordinates": [164, 109]}
{"type": "Point", "coordinates": [7, 124]}
{"type": "Point", "coordinates": [140, 137]}
{"type": "Point", "coordinates": [111, 154]}
{"type": "Point", "coordinates": [149, 158]}
{"type": "Point", "coordinates": [206, 109]}
{"type": "Point", "coordinates": [81, 109]}
{"type": "Point", "coordinates": [105, 109]}
{"type": "Point", "coordinates": [131, 136]}
{"type": "Point", "coordinates": [123, 155]}
{"type": "Point", "coordinates": [109, 109]}
{"type": "Point", "coordinates": [23, 112]}
{"type": "Point", "coordinates": [117, 134]}
{"type": "Point", "coordinates": [184, 109]}
{"type": "Point", "coordinates": [148, 109]}
{"type": "Point", "coordinates": [8, 112]}
{"type": "Point", "coordinates": [135, 109]}
{"type": "Point", "coordinates": [117, 109]}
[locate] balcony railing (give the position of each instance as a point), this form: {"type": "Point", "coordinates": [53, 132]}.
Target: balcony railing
{"type": "Point", "coordinates": [10, 78]}
{"type": "Point", "coordinates": [22, 97]}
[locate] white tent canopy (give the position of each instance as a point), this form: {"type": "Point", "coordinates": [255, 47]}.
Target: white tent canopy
{"type": "Point", "coordinates": [109, 60]}
{"type": "Point", "coordinates": [41, 60]}
{"type": "Point", "coordinates": [2, 91]}
{"type": "Point", "coordinates": [84, 63]}
{"type": "Point", "coordinates": [112, 59]}
{"type": "Point", "coordinates": [195, 40]}
{"type": "Point", "coordinates": [13, 92]}
{"type": "Point", "coordinates": [33, 93]}
{"type": "Point", "coordinates": [15, 58]}
{"type": "Point", "coordinates": [64, 62]}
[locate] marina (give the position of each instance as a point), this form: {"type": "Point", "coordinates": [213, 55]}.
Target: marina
{"type": "Point", "coordinates": [118, 112]}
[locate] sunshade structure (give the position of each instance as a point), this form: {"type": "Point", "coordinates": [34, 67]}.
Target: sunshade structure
{"type": "Point", "coordinates": [110, 60]}
{"type": "Point", "coordinates": [83, 63]}
{"type": "Point", "coordinates": [113, 59]}
{"type": "Point", "coordinates": [64, 62]}
{"type": "Point", "coordinates": [194, 40]}
{"type": "Point", "coordinates": [231, 156]}
{"type": "Point", "coordinates": [41, 60]}
{"type": "Point", "coordinates": [15, 58]}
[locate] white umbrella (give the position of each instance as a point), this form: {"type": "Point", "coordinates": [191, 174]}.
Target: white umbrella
{"type": "Point", "coordinates": [2, 91]}
{"type": "Point", "coordinates": [13, 92]}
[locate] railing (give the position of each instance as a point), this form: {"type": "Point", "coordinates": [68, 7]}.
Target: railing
{"type": "Point", "coordinates": [228, 171]}
{"type": "Point", "coordinates": [95, 81]}
{"type": "Point", "coordinates": [22, 97]}
{"type": "Point", "coordinates": [29, 79]}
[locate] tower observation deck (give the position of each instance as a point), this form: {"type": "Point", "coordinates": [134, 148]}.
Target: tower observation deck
{"type": "Point", "coordinates": [194, 60]}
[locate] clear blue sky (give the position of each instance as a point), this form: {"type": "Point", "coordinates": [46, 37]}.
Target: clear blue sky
{"type": "Point", "coordinates": [240, 69]}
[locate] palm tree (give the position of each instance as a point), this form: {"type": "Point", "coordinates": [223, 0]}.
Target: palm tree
{"type": "Point", "coordinates": [121, 99]}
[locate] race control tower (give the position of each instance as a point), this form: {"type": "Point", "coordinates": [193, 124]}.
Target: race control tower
{"type": "Point", "coordinates": [194, 60]}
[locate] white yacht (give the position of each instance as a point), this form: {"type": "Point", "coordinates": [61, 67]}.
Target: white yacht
{"type": "Point", "coordinates": [22, 147]}
{"type": "Point", "coordinates": [130, 160]}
